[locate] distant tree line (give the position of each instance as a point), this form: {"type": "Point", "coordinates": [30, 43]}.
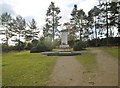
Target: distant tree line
{"type": "Point", "coordinates": [18, 28]}
{"type": "Point", "coordinates": [103, 18]}
{"type": "Point", "coordinates": [99, 23]}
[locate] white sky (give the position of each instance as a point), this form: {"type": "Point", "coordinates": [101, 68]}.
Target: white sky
{"type": "Point", "coordinates": [38, 8]}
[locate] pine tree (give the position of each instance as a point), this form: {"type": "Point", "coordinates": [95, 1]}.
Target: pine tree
{"type": "Point", "coordinates": [78, 20]}
{"type": "Point", "coordinates": [19, 28]}
{"type": "Point", "coordinates": [52, 21]}
{"type": "Point", "coordinates": [7, 24]}
{"type": "Point", "coordinates": [33, 32]}
{"type": "Point", "coordinates": [94, 13]}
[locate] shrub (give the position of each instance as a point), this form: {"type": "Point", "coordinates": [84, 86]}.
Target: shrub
{"type": "Point", "coordinates": [5, 48]}
{"type": "Point", "coordinates": [79, 45]}
{"type": "Point", "coordinates": [112, 41]}
{"type": "Point", "coordinates": [42, 46]}
{"type": "Point", "coordinates": [71, 43]}
{"type": "Point", "coordinates": [35, 42]}
{"type": "Point", "coordinates": [34, 50]}
{"type": "Point", "coordinates": [48, 45]}
{"type": "Point", "coordinates": [29, 46]}
{"type": "Point", "coordinates": [56, 43]}
{"type": "Point", "coordinates": [20, 46]}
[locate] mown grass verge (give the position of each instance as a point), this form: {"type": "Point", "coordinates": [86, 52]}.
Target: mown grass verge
{"type": "Point", "coordinates": [112, 51]}
{"type": "Point", "coordinates": [87, 59]}
{"type": "Point", "coordinates": [26, 69]}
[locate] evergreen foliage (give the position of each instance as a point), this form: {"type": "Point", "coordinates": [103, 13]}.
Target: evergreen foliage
{"type": "Point", "coordinates": [50, 30]}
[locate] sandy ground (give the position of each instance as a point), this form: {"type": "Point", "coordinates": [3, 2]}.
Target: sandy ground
{"type": "Point", "coordinates": [69, 72]}
{"type": "Point", "coordinates": [107, 69]}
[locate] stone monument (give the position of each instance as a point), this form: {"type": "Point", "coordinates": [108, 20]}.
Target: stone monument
{"type": "Point", "coordinates": [64, 39]}
{"type": "Point", "coordinates": [65, 49]}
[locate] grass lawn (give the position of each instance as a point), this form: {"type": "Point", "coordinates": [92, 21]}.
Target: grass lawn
{"type": "Point", "coordinates": [112, 51]}
{"type": "Point", "coordinates": [0, 69]}
{"type": "Point", "coordinates": [26, 69]}
{"type": "Point", "coordinates": [87, 59]}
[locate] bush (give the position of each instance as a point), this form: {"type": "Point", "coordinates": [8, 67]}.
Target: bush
{"type": "Point", "coordinates": [34, 50]}
{"type": "Point", "coordinates": [35, 42]}
{"type": "Point", "coordinates": [20, 46]}
{"type": "Point", "coordinates": [42, 46]}
{"type": "Point", "coordinates": [48, 45]}
{"type": "Point", "coordinates": [5, 48]}
{"type": "Point", "coordinates": [29, 46]}
{"type": "Point", "coordinates": [56, 43]}
{"type": "Point", "coordinates": [112, 41]}
{"type": "Point", "coordinates": [79, 45]}
{"type": "Point", "coordinates": [71, 43]}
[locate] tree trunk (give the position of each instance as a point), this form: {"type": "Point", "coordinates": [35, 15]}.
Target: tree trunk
{"type": "Point", "coordinates": [80, 31]}
{"type": "Point", "coordinates": [53, 27]}
{"type": "Point", "coordinates": [107, 23]}
{"type": "Point", "coordinates": [19, 42]}
{"type": "Point", "coordinates": [95, 34]}
{"type": "Point", "coordinates": [6, 37]}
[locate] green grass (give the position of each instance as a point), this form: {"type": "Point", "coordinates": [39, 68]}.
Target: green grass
{"type": "Point", "coordinates": [26, 69]}
{"type": "Point", "coordinates": [0, 69]}
{"type": "Point", "coordinates": [112, 51]}
{"type": "Point", "coordinates": [88, 60]}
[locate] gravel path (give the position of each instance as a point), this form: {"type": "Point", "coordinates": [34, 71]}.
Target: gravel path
{"type": "Point", "coordinates": [107, 68]}
{"type": "Point", "coordinates": [69, 72]}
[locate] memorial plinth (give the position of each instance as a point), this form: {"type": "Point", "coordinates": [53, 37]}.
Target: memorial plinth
{"type": "Point", "coordinates": [64, 39]}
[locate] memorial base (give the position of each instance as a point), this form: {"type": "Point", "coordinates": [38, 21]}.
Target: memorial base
{"type": "Point", "coordinates": [64, 46]}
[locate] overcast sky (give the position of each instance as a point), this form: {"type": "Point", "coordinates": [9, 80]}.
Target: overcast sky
{"type": "Point", "coordinates": [37, 8]}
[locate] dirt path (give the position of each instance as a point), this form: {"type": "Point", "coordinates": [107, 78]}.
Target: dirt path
{"type": "Point", "coordinates": [107, 69]}
{"type": "Point", "coordinates": [69, 72]}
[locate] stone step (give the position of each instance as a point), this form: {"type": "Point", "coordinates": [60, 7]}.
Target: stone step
{"type": "Point", "coordinates": [73, 53]}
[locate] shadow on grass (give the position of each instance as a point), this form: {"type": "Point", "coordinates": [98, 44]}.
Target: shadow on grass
{"type": "Point", "coordinates": [3, 65]}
